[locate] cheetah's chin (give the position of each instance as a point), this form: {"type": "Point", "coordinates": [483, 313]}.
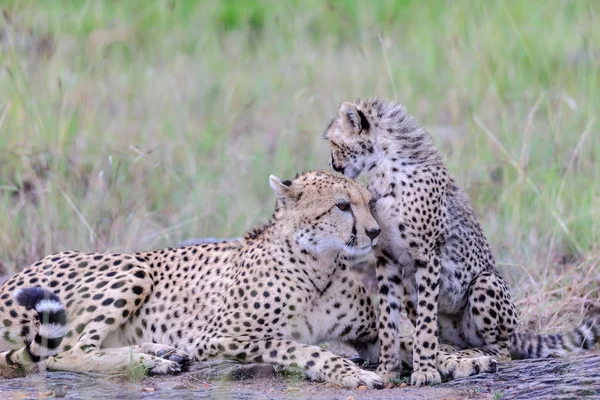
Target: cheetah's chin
{"type": "Point", "coordinates": [356, 252]}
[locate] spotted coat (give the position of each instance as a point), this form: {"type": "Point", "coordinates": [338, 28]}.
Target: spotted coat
{"type": "Point", "coordinates": [269, 297]}
{"type": "Point", "coordinates": [433, 260]}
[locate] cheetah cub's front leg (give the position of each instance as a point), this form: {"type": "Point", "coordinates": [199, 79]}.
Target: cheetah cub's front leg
{"type": "Point", "coordinates": [425, 335]}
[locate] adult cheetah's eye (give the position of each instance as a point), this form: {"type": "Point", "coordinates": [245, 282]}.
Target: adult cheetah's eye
{"type": "Point", "coordinates": [344, 206]}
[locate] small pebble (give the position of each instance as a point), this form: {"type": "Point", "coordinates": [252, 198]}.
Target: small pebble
{"type": "Point", "coordinates": [148, 389]}
{"type": "Point", "coordinates": [362, 387]}
{"type": "Point", "coordinates": [271, 390]}
{"type": "Point", "coordinates": [403, 385]}
{"type": "Point", "coordinates": [60, 392]}
{"type": "Point", "coordinates": [181, 386]}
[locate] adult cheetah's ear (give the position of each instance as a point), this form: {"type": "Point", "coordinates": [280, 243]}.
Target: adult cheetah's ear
{"type": "Point", "coordinates": [283, 190]}
{"type": "Point", "coordinates": [351, 118]}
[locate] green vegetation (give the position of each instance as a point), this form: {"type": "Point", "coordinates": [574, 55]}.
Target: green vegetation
{"type": "Point", "coordinates": [129, 125]}
{"type": "Point", "coordinates": [137, 370]}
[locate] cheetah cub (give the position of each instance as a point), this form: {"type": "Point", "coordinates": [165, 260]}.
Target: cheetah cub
{"type": "Point", "coordinates": [433, 260]}
{"type": "Point", "coordinates": [268, 297]}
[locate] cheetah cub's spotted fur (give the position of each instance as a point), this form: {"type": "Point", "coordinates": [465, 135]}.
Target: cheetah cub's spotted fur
{"type": "Point", "coordinates": [265, 298]}
{"type": "Point", "coordinates": [433, 259]}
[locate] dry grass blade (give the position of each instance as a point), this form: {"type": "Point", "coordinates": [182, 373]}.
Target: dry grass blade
{"type": "Point", "coordinates": [387, 65]}
{"type": "Point", "coordinates": [92, 235]}
{"type": "Point", "coordinates": [572, 159]}
{"type": "Point", "coordinates": [523, 159]}
{"type": "Point", "coordinates": [532, 185]}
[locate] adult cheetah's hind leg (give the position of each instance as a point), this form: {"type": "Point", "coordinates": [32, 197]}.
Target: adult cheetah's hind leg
{"type": "Point", "coordinates": [92, 324]}
{"type": "Point", "coordinates": [112, 361]}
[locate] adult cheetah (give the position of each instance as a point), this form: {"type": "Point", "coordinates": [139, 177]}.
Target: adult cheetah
{"type": "Point", "coordinates": [264, 298]}
{"type": "Point", "coordinates": [433, 259]}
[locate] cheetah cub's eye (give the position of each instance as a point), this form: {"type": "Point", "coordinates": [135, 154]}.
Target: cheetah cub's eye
{"type": "Point", "coordinates": [343, 205]}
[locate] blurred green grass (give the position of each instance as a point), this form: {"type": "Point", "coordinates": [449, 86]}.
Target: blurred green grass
{"type": "Point", "coordinates": [128, 125]}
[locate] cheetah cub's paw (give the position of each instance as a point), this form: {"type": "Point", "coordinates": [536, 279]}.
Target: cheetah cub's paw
{"type": "Point", "coordinates": [359, 377]}
{"type": "Point", "coordinates": [386, 373]}
{"type": "Point", "coordinates": [473, 366]}
{"type": "Point", "coordinates": [426, 377]}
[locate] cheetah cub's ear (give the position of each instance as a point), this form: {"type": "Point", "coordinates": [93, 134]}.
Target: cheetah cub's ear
{"type": "Point", "coordinates": [351, 118]}
{"type": "Point", "coordinates": [283, 190]}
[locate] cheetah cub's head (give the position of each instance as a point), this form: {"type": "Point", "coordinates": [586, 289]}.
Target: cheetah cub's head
{"type": "Point", "coordinates": [351, 141]}
{"type": "Point", "coordinates": [326, 212]}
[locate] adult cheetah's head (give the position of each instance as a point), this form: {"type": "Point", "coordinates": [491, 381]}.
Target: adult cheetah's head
{"type": "Point", "coordinates": [351, 140]}
{"type": "Point", "coordinates": [326, 212]}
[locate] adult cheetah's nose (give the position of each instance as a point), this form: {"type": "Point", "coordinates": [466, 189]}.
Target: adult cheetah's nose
{"type": "Point", "coordinates": [373, 233]}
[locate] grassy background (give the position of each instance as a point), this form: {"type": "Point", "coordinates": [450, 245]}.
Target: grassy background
{"type": "Point", "coordinates": [129, 125]}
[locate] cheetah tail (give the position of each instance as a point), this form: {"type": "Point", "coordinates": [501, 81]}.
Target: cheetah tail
{"type": "Point", "coordinates": [531, 345]}
{"type": "Point", "coordinates": [52, 319]}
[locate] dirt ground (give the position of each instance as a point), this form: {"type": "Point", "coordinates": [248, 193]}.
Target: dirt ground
{"type": "Point", "coordinates": [248, 382]}
{"type": "Point", "coordinates": [565, 378]}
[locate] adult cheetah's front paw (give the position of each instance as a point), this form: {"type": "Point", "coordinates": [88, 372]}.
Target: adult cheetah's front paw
{"type": "Point", "coordinates": [425, 377]}
{"type": "Point", "coordinates": [360, 377]}
{"type": "Point", "coordinates": [473, 366]}
{"type": "Point", "coordinates": [180, 357]}
{"type": "Point", "coordinates": [160, 366]}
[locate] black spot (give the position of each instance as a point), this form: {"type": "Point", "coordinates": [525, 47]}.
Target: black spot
{"type": "Point", "coordinates": [108, 301]}
{"type": "Point", "coordinates": [120, 303]}
{"type": "Point", "coordinates": [137, 290]}
{"type": "Point", "coordinates": [140, 274]}
{"type": "Point", "coordinates": [100, 285]}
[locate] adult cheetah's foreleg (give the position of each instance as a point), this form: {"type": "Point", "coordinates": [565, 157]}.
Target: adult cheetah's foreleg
{"type": "Point", "coordinates": [345, 312]}
{"type": "Point", "coordinates": [317, 363]}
